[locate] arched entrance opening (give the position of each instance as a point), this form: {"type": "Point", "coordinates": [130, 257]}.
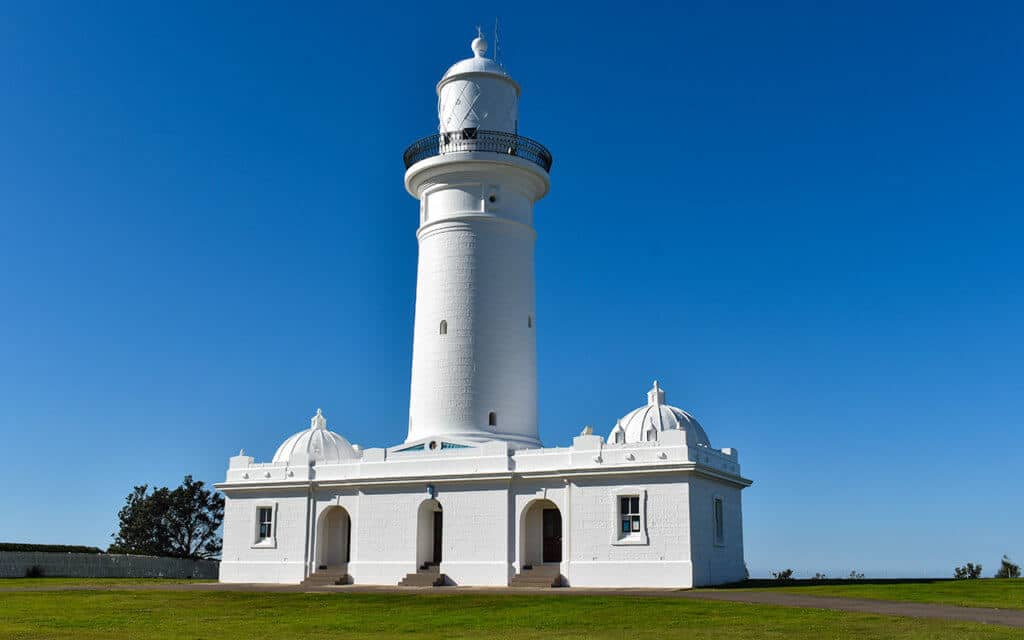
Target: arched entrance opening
{"type": "Point", "coordinates": [335, 538]}
{"type": "Point", "coordinates": [540, 534]}
{"type": "Point", "coordinates": [429, 533]}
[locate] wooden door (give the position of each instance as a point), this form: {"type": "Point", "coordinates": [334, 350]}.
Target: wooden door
{"type": "Point", "coordinates": [552, 535]}
{"type": "Point", "coordinates": [438, 527]}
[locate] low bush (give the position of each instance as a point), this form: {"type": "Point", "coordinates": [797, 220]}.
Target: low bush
{"type": "Point", "coordinates": [35, 571]}
{"type": "Point", "coordinates": [48, 548]}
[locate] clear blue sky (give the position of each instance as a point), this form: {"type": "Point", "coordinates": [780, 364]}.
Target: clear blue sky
{"type": "Point", "coordinates": [804, 220]}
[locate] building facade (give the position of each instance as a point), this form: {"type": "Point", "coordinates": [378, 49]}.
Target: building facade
{"type": "Point", "coordinates": [472, 497]}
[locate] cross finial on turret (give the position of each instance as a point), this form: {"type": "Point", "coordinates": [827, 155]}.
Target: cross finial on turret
{"type": "Point", "coordinates": [318, 421]}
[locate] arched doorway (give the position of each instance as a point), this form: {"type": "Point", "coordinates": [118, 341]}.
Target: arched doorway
{"type": "Point", "coordinates": [429, 533]}
{"type": "Point", "coordinates": [335, 538]}
{"type": "Point", "coordinates": [540, 534]}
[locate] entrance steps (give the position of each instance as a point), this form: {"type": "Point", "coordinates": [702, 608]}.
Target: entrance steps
{"type": "Point", "coordinates": [428, 575]}
{"type": "Point", "coordinates": [327, 576]}
{"type": "Point", "coordinates": [538, 576]}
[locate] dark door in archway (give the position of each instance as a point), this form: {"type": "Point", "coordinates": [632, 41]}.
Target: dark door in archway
{"type": "Point", "coordinates": [348, 541]}
{"type": "Point", "coordinates": [552, 535]}
{"type": "Point", "coordinates": [438, 527]}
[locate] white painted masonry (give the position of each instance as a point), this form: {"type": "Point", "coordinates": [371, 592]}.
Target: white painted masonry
{"type": "Point", "coordinates": [472, 488]}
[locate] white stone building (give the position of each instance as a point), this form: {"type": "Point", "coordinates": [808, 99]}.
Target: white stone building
{"type": "Point", "coordinates": [471, 497]}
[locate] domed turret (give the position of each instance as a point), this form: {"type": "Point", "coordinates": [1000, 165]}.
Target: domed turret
{"type": "Point", "coordinates": [644, 424]}
{"type": "Point", "coordinates": [476, 94]}
{"type": "Point", "coordinates": [316, 444]}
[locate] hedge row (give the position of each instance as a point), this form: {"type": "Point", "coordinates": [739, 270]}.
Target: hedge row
{"type": "Point", "coordinates": [47, 548]}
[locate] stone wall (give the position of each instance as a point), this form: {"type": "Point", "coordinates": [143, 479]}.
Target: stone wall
{"type": "Point", "coordinates": [14, 564]}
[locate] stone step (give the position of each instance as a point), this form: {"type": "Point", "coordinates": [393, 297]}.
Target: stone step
{"type": "Point", "coordinates": [322, 578]}
{"type": "Point", "coordinates": [424, 578]}
{"type": "Point", "coordinates": [541, 576]}
{"type": "Point", "coordinates": [539, 569]}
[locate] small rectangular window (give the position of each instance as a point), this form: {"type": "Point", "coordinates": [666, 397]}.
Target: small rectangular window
{"type": "Point", "coordinates": [719, 522]}
{"type": "Point", "coordinates": [266, 520]}
{"type": "Point", "coordinates": [629, 514]}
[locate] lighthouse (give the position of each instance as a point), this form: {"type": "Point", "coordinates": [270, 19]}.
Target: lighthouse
{"type": "Point", "coordinates": [470, 497]}
{"type": "Point", "coordinates": [474, 366]}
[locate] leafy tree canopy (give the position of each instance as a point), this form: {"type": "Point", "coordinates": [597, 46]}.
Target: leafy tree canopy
{"type": "Point", "coordinates": [969, 571]}
{"type": "Point", "coordinates": [1008, 569]}
{"type": "Point", "coordinates": [180, 522]}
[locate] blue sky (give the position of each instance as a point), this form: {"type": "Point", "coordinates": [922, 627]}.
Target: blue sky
{"type": "Point", "coordinates": [804, 220]}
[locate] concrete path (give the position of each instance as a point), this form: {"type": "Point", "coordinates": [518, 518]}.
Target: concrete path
{"type": "Point", "coordinates": [1004, 617]}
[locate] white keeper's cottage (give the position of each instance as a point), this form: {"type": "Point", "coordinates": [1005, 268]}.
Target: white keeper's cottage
{"type": "Point", "coordinates": [472, 497]}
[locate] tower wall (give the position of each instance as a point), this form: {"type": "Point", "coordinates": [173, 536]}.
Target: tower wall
{"type": "Point", "coordinates": [475, 275]}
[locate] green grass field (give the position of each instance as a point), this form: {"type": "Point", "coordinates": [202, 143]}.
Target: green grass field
{"type": "Point", "coordinates": [155, 615]}
{"type": "Point", "coordinates": [31, 583]}
{"type": "Point", "coordinates": [1000, 594]}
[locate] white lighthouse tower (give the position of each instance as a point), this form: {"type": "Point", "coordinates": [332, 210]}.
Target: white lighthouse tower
{"type": "Point", "coordinates": [474, 367]}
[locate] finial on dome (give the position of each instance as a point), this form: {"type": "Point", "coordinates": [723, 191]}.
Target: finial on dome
{"type": "Point", "coordinates": [656, 395]}
{"type": "Point", "coordinates": [318, 421]}
{"type": "Point", "coordinates": [479, 44]}
{"type": "Point", "coordinates": [241, 452]}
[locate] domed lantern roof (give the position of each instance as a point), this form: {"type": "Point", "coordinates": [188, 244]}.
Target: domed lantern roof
{"type": "Point", "coordinates": [315, 444]}
{"type": "Point", "coordinates": [478, 64]}
{"type": "Point", "coordinates": [644, 424]}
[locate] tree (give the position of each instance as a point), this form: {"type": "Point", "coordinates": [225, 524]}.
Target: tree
{"type": "Point", "coordinates": [1008, 569]}
{"type": "Point", "coordinates": [969, 571]}
{"type": "Point", "coordinates": [785, 574]}
{"type": "Point", "coordinates": [180, 522]}
{"type": "Point", "coordinates": [141, 523]}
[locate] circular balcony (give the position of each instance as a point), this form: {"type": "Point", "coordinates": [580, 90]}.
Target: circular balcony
{"type": "Point", "coordinates": [475, 140]}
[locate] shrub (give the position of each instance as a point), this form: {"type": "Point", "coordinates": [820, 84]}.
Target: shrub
{"type": "Point", "coordinates": [35, 571]}
{"type": "Point", "coordinates": [854, 575]}
{"type": "Point", "coordinates": [819, 576]}
{"type": "Point", "coordinates": [785, 574]}
{"type": "Point", "coordinates": [47, 548]}
{"type": "Point", "coordinates": [1007, 570]}
{"type": "Point", "coordinates": [969, 571]}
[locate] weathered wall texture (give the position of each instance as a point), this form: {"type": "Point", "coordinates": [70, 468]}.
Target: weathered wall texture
{"type": "Point", "coordinates": [14, 564]}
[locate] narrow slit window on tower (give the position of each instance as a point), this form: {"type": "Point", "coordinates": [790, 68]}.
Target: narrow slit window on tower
{"type": "Point", "coordinates": [529, 322]}
{"type": "Point", "coordinates": [492, 419]}
{"type": "Point", "coordinates": [444, 328]}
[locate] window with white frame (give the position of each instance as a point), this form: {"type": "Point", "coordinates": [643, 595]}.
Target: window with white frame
{"type": "Point", "coordinates": [629, 515]}
{"type": "Point", "coordinates": [265, 528]}
{"type": "Point", "coordinates": [719, 522]}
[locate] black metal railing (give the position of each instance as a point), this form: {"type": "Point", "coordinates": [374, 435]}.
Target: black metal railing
{"type": "Point", "coordinates": [478, 140]}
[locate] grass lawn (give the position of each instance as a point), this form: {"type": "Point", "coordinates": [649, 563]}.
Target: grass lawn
{"type": "Point", "coordinates": [225, 615]}
{"type": "Point", "coordinates": [1000, 594]}
{"type": "Point", "coordinates": [30, 583]}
